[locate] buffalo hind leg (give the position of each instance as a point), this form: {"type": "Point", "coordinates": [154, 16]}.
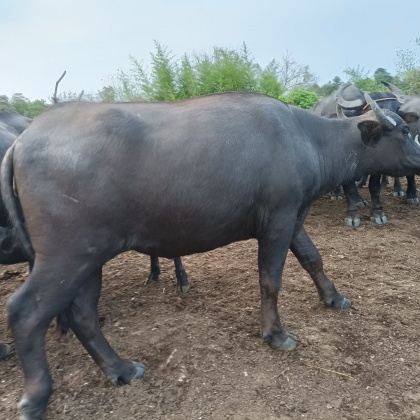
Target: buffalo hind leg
{"type": "Point", "coordinates": [45, 294]}
{"type": "Point", "coordinates": [354, 202]}
{"type": "Point", "coordinates": [310, 259]}
{"type": "Point", "coordinates": [412, 190]}
{"type": "Point", "coordinates": [271, 258]}
{"type": "Point", "coordinates": [154, 270]}
{"type": "Point", "coordinates": [377, 214]}
{"type": "Point", "coordinates": [84, 322]}
{"type": "Point", "coordinates": [181, 275]}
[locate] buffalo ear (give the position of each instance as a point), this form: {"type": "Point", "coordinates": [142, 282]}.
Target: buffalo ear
{"type": "Point", "coordinates": [371, 132]}
{"type": "Point", "coordinates": [408, 117]}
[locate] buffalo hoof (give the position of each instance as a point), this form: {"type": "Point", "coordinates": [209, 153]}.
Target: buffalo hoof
{"type": "Point", "coordinates": [184, 288]}
{"type": "Point", "coordinates": [287, 343]}
{"type": "Point", "coordinates": [352, 221]}
{"type": "Point", "coordinates": [126, 379]}
{"type": "Point", "coordinates": [4, 351]}
{"type": "Point", "coordinates": [336, 197]}
{"type": "Point", "coordinates": [413, 201]}
{"type": "Point", "coordinates": [399, 193]}
{"type": "Point", "coordinates": [152, 278]}
{"type": "Point", "coordinates": [182, 282]}
{"type": "Point", "coordinates": [338, 302]}
{"type": "Point", "coordinates": [361, 204]}
{"type": "Point", "coordinates": [31, 411]}
{"type": "Point", "coordinates": [378, 219]}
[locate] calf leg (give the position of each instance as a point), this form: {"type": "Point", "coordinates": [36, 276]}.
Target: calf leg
{"type": "Point", "coordinates": [310, 259]}
{"type": "Point", "coordinates": [354, 201]}
{"type": "Point", "coordinates": [154, 270]}
{"type": "Point", "coordinates": [181, 276]}
{"type": "Point", "coordinates": [377, 214]}
{"type": "Point", "coordinates": [412, 190]}
{"type": "Point", "coordinates": [84, 321]}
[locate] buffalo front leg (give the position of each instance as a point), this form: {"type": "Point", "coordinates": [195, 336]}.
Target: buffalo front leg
{"type": "Point", "coordinates": [307, 254]}
{"type": "Point", "coordinates": [181, 276]}
{"type": "Point", "coordinates": [84, 321]}
{"type": "Point", "coordinates": [271, 259]}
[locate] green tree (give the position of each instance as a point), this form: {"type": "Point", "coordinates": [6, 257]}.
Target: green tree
{"type": "Point", "coordinates": [301, 97]}
{"type": "Point", "coordinates": [107, 94]}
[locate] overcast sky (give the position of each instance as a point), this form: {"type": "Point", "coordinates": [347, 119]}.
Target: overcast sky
{"type": "Point", "coordinates": [92, 39]}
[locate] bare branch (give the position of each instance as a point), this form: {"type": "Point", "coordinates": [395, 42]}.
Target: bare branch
{"type": "Point", "coordinates": [54, 98]}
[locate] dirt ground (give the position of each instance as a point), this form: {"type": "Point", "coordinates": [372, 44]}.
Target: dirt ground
{"type": "Point", "coordinates": [203, 352]}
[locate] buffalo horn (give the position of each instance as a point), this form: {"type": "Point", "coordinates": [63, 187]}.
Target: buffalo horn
{"type": "Point", "coordinates": [345, 103]}
{"type": "Point", "coordinates": [340, 113]}
{"type": "Point", "coordinates": [386, 121]}
{"type": "Point", "coordinates": [396, 91]}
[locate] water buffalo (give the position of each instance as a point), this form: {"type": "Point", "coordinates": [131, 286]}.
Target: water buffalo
{"type": "Point", "coordinates": [88, 181]}
{"type": "Point", "coordinates": [410, 103]}
{"type": "Point", "coordinates": [11, 251]}
{"type": "Point", "coordinates": [352, 102]}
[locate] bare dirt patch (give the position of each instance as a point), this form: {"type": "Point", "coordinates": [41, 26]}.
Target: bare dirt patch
{"type": "Point", "coordinates": [203, 353]}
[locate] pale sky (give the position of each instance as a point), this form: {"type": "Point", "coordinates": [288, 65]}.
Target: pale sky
{"type": "Point", "coordinates": [92, 39]}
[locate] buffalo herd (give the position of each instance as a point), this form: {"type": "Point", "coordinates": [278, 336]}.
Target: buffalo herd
{"type": "Point", "coordinates": [84, 182]}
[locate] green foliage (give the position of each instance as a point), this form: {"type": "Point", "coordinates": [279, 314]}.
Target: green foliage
{"type": "Point", "coordinates": [268, 81]}
{"type": "Point", "coordinates": [187, 80]}
{"type": "Point", "coordinates": [221, 70]}
{"type": "Point", "coordinates": [327, 89]}
{"type": "Point", "coordinates": [18, 103]}
{"type": "Point", "coordinates": [107, 94]}
{"type": "Point", "coordinates": [301, 97]}
{"type": "Point", "coordinates": [408, 66]}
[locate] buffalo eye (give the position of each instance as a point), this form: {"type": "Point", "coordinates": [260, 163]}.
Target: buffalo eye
{"type": "Point", "coordinates": [406, 131]}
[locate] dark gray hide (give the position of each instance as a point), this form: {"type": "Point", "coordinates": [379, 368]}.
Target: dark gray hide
{"type": "Point", "coordinates": [171, 179]}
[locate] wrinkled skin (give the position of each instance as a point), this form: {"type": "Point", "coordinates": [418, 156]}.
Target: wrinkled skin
{"type": "Point", "coordinates": [229, 155]}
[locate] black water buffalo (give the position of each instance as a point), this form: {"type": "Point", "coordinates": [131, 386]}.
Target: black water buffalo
{"type": "Point", "coordinates": [352, 103]}
{"type": "Point", "coordinates": [11, 251]}
{"type": "Point", "coordinates": [410, 103]}
{"type": "Point", "coordinates": [172, 179]}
